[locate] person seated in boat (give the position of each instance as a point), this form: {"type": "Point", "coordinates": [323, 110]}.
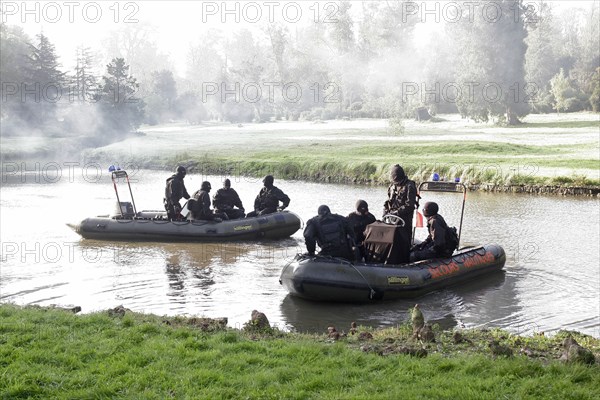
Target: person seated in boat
{"type": "Point", "coordinates": [441, 241]}
{"type": "Point", "coordinates": [174, 191]}
{"type": "Point", "coordinates": [267, 201]}
{"type": "Point", "coordinates": [225, 201]}
{"type": "Point", "coordinates": [359, 220]}
{"type": "Point", "coordinates": [200, 209]}
{"type": "Point", "coordinates": [331, 232]}
{"type": "Point", "coordinates": [402, 197]}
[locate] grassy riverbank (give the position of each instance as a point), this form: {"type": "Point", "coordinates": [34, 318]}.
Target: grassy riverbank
{"type": "Point", "coordinates": [546, 150]}
{"type": "Point", "coordinates": [55, 354]}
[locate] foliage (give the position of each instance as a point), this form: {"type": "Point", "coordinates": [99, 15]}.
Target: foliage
{"type": "Point", "coordinates": [122, 111]}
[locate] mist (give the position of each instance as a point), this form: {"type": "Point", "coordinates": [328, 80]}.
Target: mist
{"type": "Point", "coordinates": [91, 81]}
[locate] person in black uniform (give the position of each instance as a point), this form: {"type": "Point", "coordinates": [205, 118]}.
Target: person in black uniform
{"type": "Point", "coordinates": [331, 232]}
{"type": "Point", "coordinates": [226, 199]}
{"type": "Point", "coordinates": [174, 191]}
{"type": "Point", "coordinates": [201, 207]}
{"type": "Point", "coordinates": [267, 201]}
{"type": "Point", "coordinates": [441, 241]}
{"type": "Point", "coordinates": [402, 197]}
{"type": "Point", "coordinates": [359, 220]}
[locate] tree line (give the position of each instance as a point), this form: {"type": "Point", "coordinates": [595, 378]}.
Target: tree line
{"type": "Point", "coordinates": [370, 63]}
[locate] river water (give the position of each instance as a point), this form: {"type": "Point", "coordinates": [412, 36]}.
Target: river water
{"type": "Point", "coordinates": [551, 279]}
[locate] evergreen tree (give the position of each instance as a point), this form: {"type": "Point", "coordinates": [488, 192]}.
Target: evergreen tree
{"type": "Point", "coordinates": [84, 84]}
{"type": "Point", "coordinates": [14, 50]}
{"type": "Point", "coordinates": [121, 110]}
{"type": "Point", "coordinates": [45, 83]}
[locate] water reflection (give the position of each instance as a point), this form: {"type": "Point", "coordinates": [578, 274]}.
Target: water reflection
{"type": "Point", "coordinates": [552, 278]}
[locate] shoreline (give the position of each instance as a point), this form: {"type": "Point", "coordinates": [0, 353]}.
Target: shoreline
{"type": "Point", "coordinates": [51, 352]}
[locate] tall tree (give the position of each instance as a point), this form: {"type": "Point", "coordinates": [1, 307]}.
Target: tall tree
{"type": "Point", "coordinates": [45, 80]}
{"type": "Point", "coordinates": [122, 110]}
{"type": "Point", "coordinates": [541, 57]}
{"type": "Point", "coordinates": [15, 48]}
{"type": "Point", "coordinates": [491, 64]}
{"type": "Point", "coordinates": [84, 83]}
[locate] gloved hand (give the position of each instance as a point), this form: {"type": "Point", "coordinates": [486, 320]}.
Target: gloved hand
{"type": "Point", "coordinates": [242, 210]}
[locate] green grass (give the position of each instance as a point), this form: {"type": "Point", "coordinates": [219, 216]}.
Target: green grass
{"type": "Point", "coordinates": [545, 150]}
{"type": "Point", "coordinates": [54, 354]}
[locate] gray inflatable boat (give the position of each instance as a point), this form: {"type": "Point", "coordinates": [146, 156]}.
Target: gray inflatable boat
{"type": "Point", "coordinates": [126, 223]}
{"type": "Point", "coordinates": [153, 226]}
{"type": "Point", "coordinates": [335, 279]}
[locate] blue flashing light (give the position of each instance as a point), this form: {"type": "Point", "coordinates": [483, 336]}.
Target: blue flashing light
{"type": "Point", "coordinates": [435, 177]}
{"type": "Point", "coordinates": [457, 180]}
{"type": "Point", "coordinates": [111, 168]}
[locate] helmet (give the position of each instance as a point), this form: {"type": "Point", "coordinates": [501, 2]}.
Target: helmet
{"type": "Point", "coordinates": [362, 205]}
{"type": "Point", "coordinates": [397, 173]}
{"type": "Point", "coordinates": [268, 180]}
{"type": "Point", "coordinates": [205, 186]}
{"type": "Point", "coordinates": [227, 183]}
{"type": "Point", "coordinates": [181, 170]}
{"type": "Point", "coordinates": [430, 208]}
{"type": "Point", "coordinates": [323, 210]}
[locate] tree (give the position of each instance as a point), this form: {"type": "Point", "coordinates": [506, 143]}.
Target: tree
{"type": "Point", "coordinates": [560, 86]}
{"type": "Point", "coordinates": [45, 80]}
{"type": "Point", "coordinates": [541, 57]}
{"type": "Point", "coordinates": [15, 48]}
{"type": "Point", "coordinates": [491, 62]}
{"type": "Point", "coordinates": [121, 110]}
{"type": "Point", "coordinates": [84, 83]}
{"type": "Point", "coordinates": [162, 97]}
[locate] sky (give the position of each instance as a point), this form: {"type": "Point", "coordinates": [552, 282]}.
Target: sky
{"type": "Point", "coordinates": [70, 24]}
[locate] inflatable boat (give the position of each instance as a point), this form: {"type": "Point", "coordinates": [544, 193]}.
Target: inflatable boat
{"type": "Point", "coordinates": [154, 226]}
{"type": "Point", "coordinates": [126, 223]}
{"type": "Point", "coordinates": [335, 279]}
{"type": "Point", "coordinates": [386, 273]}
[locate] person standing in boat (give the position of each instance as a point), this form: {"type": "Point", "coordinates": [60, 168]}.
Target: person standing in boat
{"type": "Point", "coordinates": [226, 199]}
{"type": "Point", "coordinates": [441, 241]}
{"type": "Point", "coordinates": [267, 201]}
{"type": "Point", "coordinates": [174, 191]}
{"type": "Point", "coordinates": [402, 197]}
{"type": "Point", "coordinates": [331, 232]}
{"type": "Point", "coordinates": [200, 209]}
{"type": "Point", "coordinates": [359, 220]}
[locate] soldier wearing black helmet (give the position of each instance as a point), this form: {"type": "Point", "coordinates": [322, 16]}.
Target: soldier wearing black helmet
{"type": "Point", "coordinates": [201, 205]}
{"type": "Point", "coordinates": [441, 241]}
{"type": "Point", "coordinates": [225, 201]}
{"type": "Point", "coordinates": [359, 220]}
{"type": "Point", "coordinates": [174, 191]}
{"type": "Point", "coordinates": [331, 232]}
{"type": "Point", "coordinates": [267, 201]}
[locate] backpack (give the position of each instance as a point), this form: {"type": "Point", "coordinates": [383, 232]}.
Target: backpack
{"type": "Point", "coordinates": [452, 238]}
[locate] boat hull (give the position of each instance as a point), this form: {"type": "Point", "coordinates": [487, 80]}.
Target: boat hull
{"type": "Point", "coordinates": [273, 226]}
{"type": "Point", "coordinates": [333, 279]}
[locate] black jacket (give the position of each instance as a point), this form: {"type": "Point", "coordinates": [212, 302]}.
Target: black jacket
{"type": "Point", "coordinates": [331, 233]}
{"type": "Point", "coordinates": [175, 190]}
{"type": "Point", "coordinates": [359, 223]}
{"type": "Point", "coordinates": [270, 198]}
{"type": "Point", "coordinates": [441, 238]}
{"type": "Point", "coordinates": [201, 209]}
{"type": "Point", "coordinates": [226, 199]}
{"type": "Point", "coordinates": [402, 198]}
